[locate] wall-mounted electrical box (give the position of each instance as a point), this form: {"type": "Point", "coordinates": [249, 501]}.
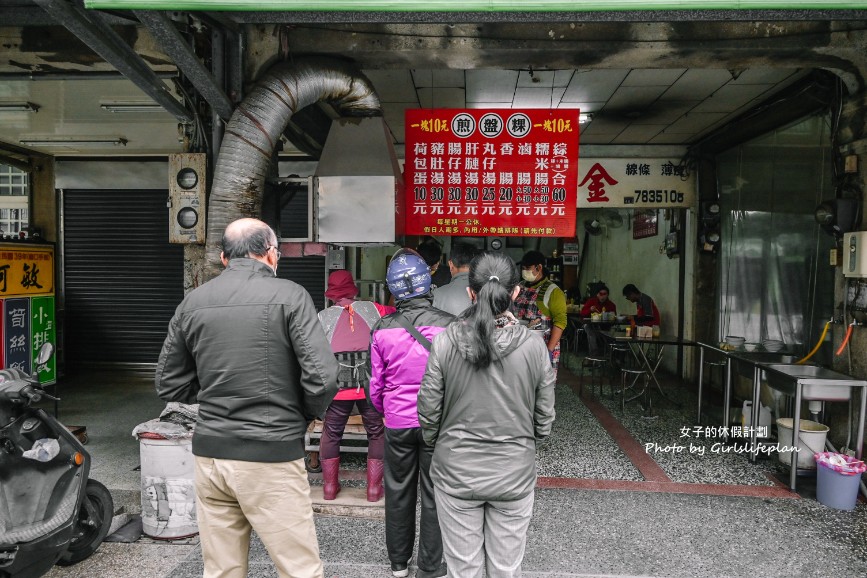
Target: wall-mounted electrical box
{"type": "Point", "coordinates": [187, 187]}
{"type": "Point", "coordinates": [855, 254]}
{"type": "Point", "coordinates": [335, 259]}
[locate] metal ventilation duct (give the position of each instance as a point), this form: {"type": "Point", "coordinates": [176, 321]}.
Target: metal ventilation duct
{"type": "Point", "coordinates": [255, 128]}
{"type": "Point", "coordinates": [357, 184]}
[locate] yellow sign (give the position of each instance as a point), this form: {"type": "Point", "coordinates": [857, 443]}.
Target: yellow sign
{"type": "Point", "coordinates": [26, 271]}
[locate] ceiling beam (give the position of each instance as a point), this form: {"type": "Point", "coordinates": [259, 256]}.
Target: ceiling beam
{"type": "Point", "coordinates": [19, 157]}
{"type": "Point", "coordinates": [177, 48]}
{"type": "Point", "coordinates": [12, 161]}
{"type": "Point", "coordinates": [835, 46]}
{"type": "Point", "coordinates": [663, 8]}
{"type": "Point", "coordinates": [21, 151]}
{"type": "Point", "coordinates": [356, 17]}
{"type": "Point", "coordinates": [105, 42]}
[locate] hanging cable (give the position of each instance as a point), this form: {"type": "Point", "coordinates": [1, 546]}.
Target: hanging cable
{"type": "Point", "coordinates": [818, 344]}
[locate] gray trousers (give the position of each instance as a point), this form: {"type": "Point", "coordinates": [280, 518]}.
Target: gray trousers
{"type": "Point", "coordinates": [484, 535]}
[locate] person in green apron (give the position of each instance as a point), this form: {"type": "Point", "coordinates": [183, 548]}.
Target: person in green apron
{"type": "Point", "coordinates": [541, 305]}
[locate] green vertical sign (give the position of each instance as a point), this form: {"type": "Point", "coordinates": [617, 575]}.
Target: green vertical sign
{"type": "Point", "coordinates": [43, 330]}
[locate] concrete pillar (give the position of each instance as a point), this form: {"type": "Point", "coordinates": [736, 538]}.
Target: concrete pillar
{"type": "Point", "coordinates": [43, 206]}
{"type": "Point", "coordinates": [852, 144]}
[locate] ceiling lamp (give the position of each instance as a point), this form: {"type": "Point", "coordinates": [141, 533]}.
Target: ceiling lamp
{"type": "Point", "coordinates": [131, 107]}
{"type": "Point", "coordinates": [73, 141]}
{"type": "Point", "coordinates": [18, 107]}
{"type": "Point", "coordinates": [584, 118]}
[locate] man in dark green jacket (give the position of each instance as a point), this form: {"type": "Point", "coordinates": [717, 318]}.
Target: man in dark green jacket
{"type": "Point", "coordinates": [250, 349]}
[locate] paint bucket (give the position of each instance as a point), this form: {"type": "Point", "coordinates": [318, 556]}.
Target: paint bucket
{"type": "Point", "coordinates": [168, 494]}
{"type": "Point", "coordinates": [812, 440]}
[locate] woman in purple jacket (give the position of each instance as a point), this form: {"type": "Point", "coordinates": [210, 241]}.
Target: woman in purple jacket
{"type": "Point", "coordinates": [398, 359]}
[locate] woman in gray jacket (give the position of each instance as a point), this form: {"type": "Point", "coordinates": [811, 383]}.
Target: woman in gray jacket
{"type": "Point", "coordinates": [486, 401]}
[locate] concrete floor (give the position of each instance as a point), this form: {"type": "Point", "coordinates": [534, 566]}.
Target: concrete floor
{"type": "Point", "coordinates": [604, 507]}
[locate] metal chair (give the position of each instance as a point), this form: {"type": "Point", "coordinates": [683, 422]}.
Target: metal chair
{"type": "Point", "coordinates": [623, 360]}
{"type": "Point", "coordinates": [597, 367]}
{"type": "Point", "coordinates": [578, 334]}
{"type": "Point", "coordinates": [619, 356]}
{"type": "Point", "coordinates": [632, 375]}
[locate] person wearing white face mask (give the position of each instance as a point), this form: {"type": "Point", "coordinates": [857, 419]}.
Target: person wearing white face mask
{"type": "Point", "coordinates": [541, 305]}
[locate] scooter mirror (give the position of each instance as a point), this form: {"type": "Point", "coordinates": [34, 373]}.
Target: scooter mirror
{"type": "Point", "coordinates": [44, 353]}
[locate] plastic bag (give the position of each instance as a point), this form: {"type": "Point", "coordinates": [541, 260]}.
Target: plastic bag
{"type": "Point", "coordinates": [43, 450]}
{"type": "Point", "coordinates": [180, 413]}
{"type": "Point", "coordinates": [841, 463]}
{"type": "Point", "coordinates": [177, 421]}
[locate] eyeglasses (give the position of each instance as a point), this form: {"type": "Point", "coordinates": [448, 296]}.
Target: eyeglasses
{"type": "Point", "coordinates": [275, 247]}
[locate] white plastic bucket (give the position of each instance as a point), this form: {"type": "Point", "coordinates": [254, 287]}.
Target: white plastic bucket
{"type": "Point", "coordinates": [168, 494]}
{"type": "Point", "coordinates": [812, 440]}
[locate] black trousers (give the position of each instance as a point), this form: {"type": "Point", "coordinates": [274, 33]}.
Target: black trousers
{"type": "Point", "coordinates": [336, 417]}
{"type": "Point", "coordinates": [407, 468]}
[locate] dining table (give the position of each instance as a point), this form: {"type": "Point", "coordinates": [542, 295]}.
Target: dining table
{"type": "Point", "coordinates": [580, 320]}
{"type": "Point", "coordinates": [648, 352]}
{"type": "Point", "coordinates": [580, 323]}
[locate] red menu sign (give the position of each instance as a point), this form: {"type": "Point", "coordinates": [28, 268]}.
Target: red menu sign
{"type": "Point", "coordinates": [476, 172]}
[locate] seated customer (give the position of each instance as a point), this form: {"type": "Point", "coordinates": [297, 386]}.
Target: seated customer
{"type": "Point", "coordinates": [597, 304]}
{"type": "Point", "coordinates": [647, 313]}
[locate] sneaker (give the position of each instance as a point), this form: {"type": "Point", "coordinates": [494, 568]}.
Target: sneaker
{"type": "Point", "coordinates": [443, 570]}
{"type": "Point", "coordinates": [399, 570]}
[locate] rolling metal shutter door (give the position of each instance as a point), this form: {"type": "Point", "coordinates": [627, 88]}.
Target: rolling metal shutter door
{"type": "Point", "coordinates": [122, 279]}
{"type": "Point", "coordinates": [309, 272]}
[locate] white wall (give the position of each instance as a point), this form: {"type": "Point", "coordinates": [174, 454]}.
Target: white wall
{"type": "Point", "coordinates": [617, 259]}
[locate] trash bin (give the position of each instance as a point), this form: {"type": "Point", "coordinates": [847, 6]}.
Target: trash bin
{"type": "Point", "coordinates": [838, 478]}
{"type": "Point", "coordinates": [168, 494]}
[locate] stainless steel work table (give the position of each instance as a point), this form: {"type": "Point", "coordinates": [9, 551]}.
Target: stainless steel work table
{"type": "Point", "coordinates": [822, 383]}
{"type": "Point", "coordinates": [751, 358]}
{"type": "Point", "coordinates": [815, 377]}
{"type": "Point", "coordinates": [727, 385]}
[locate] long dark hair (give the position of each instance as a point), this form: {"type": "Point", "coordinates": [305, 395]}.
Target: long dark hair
{"type": "Point", "coordinates": [493, 276]}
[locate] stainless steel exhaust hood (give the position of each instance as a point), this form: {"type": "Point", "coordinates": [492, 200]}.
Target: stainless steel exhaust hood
{"type": "Point", "coordinates": [357, 184]}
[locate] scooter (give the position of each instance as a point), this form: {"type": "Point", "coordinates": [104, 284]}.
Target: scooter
{"type": "Point", "coordinates": [50, 511]}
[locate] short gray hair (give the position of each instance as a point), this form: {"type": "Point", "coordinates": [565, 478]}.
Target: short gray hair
{"type": "Point", "coordinates": [247, 238]}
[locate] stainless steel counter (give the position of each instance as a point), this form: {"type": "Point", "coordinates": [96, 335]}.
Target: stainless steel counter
{"type": "Point", "coordinates": [809, 382]}
{"type": "Point", "coordinates": [803, 382]}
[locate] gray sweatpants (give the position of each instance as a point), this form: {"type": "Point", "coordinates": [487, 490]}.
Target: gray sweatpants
{"type": "Point", "coordinates": [489, 535]}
